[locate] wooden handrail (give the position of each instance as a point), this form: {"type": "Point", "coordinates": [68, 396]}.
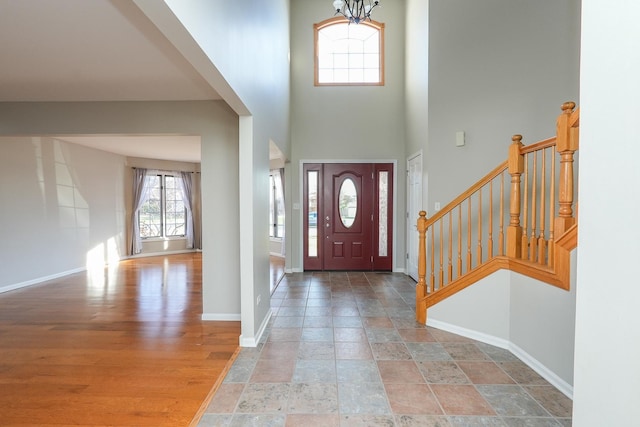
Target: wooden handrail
{"type": "Point", "coordinates": [471, 190]}
{"type": "Point", "coordinates": [535, 244]}
{"type": "Point", "coordinates": [546, 143]}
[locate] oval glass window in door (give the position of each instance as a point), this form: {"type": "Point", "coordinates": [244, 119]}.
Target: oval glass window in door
{"type": "Point", "coordinates": [348, 200]}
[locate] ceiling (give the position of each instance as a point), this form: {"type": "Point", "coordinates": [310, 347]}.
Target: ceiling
{"type": "Point", "coordinates": [173, 147]}
{"type": "Point", "coordinates": [98, 50]}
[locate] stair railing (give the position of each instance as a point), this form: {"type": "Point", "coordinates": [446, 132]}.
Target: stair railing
{"type": "Point", "coordinates": [468, 239]}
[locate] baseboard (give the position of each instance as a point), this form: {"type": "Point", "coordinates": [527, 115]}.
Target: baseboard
{"type": "Point", "coordinates": [253, 342]}
{"type": "Point", "coordinates": [221, 317]}
{"type": "Point", "coordinates": [564, 387]}
{"type": "Point", "coordinates": [148, 254]}
{"type": "Point", "coordinates": [41, 279]}
{"type": "Point", "coordinates": [301, 270]}
{"type": "Point", "coordinates": [470, 333]}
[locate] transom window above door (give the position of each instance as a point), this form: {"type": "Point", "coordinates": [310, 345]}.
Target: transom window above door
{"type": "Point", "coordinates": [349, 54]}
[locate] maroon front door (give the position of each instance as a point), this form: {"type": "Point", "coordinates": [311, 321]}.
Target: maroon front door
{"type": "Point", "coordinates": [347, 216]}
{"type": "Point", "coordinates": [347, 211]}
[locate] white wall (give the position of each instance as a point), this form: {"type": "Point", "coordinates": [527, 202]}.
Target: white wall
{"type": "Point", "coordinates": [62, 211]}
{"type": "Point", "coordinates": [346, 122]}
{"type": "Point", "coordinates": [607, 372]}
{"type": "Point", "coordinates": [218, 127]}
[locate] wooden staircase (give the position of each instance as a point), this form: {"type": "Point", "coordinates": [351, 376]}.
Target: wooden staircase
{"type": "Point", "coordinates": [468, 239]}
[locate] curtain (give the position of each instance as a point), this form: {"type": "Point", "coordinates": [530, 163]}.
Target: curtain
{"type": "Point", "coordinates": [282, 182]}
{"type": "Point", "coordinates": [141, 193]}
{"type": "Point", "coordinates": [186, 186]}
{"type": "Point", "coordinates": [197, 210]}
{"type": "Point", "coordinates": [278, 207]}
{"type": "Point", "coordinates": [281, 189]}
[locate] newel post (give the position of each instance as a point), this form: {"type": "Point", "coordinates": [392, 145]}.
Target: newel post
{"type": "Point", "coordinates": [566, 145]}
{"type": "Point", "coordinates": [516, 168]}
{"type": "Point", "coordinates": [421, 287]}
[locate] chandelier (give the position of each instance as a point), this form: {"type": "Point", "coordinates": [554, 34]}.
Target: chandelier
{"type": "Point", "coordinates": [355, 10]}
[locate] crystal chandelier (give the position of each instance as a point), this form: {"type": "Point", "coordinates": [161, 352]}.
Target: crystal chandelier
{"type": "Point", "coordinates": [355, 11]}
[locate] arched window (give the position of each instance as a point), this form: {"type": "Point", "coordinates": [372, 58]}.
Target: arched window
{"type": "Point", "coordinates": [349, 54]}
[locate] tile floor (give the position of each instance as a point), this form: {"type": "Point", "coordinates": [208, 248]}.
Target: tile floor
{"type": "Point", "coordinates": [343, 349]}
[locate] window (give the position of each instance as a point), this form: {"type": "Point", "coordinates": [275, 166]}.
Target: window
{"type": "Point", "coordinates": [163, 214]}
{"type": "Point", "coordinates": [349, 54]}
{"type": "Point", "coordinates": [276, 205]}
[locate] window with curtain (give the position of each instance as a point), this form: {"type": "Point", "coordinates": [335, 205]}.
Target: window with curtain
{"type": "Point", "coordinates": [276, 205]}
{"type": "Point", "coordinates": [163, 213]}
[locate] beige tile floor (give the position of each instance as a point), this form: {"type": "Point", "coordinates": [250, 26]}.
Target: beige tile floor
{"type": "Point", "coordinates": [343, 349]}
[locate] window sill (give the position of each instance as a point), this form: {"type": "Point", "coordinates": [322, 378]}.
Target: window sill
{"type": "Point", "coordinates": [163, 239]}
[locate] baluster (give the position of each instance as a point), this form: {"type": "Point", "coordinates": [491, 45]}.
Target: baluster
{"type": "Point", "coordinates": [490, 237]}
{"type": "Point", "coordinates": [441, 276]}
{"type": "Point", "coordinates": [525, 217]}
{"type": "Point", "coordinates": [567, 144]}
{"type": "Point", "coordinates": [501, 235]}
{"type": "Point", "coordinates": [433, 260]}
{"type": "Point", "coordinates": [479, 226]}
{"type": "Point", "coordinates": [421, 287]}
{"type": "Point", "coordinates": [469, 234]}
{"type": "Point", "coordinates": [450, 266]}
{"type": "Point", "coordinates": [459, 240]}
{"type": "Point", "coordinates": [552, 206]}
{"type": "Point", "coordinates": [534, 183]}
{"type": "Point", "coordinates": [543, 180]}
{"type": "Point", "coordinates": [516, 167]}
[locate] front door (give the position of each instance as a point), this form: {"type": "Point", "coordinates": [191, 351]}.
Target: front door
{"type": "Point", "coordinates": [348, 216]}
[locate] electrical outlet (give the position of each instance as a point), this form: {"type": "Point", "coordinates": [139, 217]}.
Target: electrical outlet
{"type": "Point", "coordinates": [437, 206]}
{"type": "Point", "coordinates": [258, 299]}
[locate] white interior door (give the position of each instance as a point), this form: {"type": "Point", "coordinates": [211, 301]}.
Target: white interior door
{"type": "Point", "coordinates": [414, 205]}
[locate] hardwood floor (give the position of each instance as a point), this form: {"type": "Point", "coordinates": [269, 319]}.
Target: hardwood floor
{"type": "Point", "coordinates": [123, 347]}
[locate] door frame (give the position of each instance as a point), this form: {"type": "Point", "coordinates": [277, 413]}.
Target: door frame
{"type": "Point", "coordinates": [412, 213]}
{"type": "Point", "coordinates": [300, 208]}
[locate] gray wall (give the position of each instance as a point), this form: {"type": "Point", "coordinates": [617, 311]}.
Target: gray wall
{"type": "Point", "coordinates": [533, 319]}
{"type": "Point", "coordinates": [417, 77]}
{"type": "Point", "coordinates": [246, 49]}
{"type": "Point", "coordinates": [345, 122]}
{"type": "Point", "coordinates": [495, 68]}
{"type": "Point", "coordinates": [218, 127]}
{"type": "Point", "coordinates": [62, 211]}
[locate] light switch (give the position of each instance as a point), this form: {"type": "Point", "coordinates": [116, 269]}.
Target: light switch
{"type": "Point", "coordinates": [460, 138]}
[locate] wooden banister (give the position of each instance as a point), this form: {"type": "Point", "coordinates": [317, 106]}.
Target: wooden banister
{"type": "Point", "coordinates": [567, 144]}
{"type": "Point", "coordinates": [464, 196]}
{"type": "Point", "coordinates": [421, 287]}
{"type": "Point", "coordinates": [516, 168]}
{"type": "Point", "coordinates": [537, 245]}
